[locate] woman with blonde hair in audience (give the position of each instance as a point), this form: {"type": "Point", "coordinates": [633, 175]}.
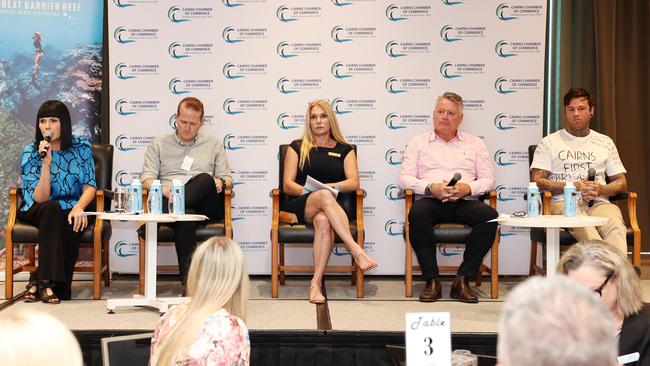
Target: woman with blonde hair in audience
{"type": "Point", "coordinates": [606, 271]}
{"type": "Point", "coordinates": [209, 329]}
{"type": "Point", "coordinates": [34, 338]}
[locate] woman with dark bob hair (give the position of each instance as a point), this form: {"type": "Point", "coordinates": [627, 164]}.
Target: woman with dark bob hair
{"type": "Point", "coordinates": [605, 270]}
{"type": "Point", "coordinates": [58, 181]}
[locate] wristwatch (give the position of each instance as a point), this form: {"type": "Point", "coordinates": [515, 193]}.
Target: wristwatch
{"type": "Point", "coordinates": [427, 191]}
{"type": "Point", "coordinates": [223, 183]}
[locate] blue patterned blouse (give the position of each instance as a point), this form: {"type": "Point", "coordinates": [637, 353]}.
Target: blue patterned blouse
{"type": "Point", "coordinates": [70, 171]}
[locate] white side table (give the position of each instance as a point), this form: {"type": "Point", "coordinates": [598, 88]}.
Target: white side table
{"type": "Point", "coordinates": [553, 224]}
{"type": "Point", "coordinates": [151, 251]}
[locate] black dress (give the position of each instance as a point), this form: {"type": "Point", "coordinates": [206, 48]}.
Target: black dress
{"type": "Point", "coordinates": [635, 336]}
{"type": "Point", "coordinates": [325, 165]}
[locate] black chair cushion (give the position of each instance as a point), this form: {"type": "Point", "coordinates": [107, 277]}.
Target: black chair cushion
{"type": "Point", "coordinates": [304, 233]}
{"type": "Point", "coordinates": [539, 235]}
{"type": "Point", "coordinates": [203, 232]}
{"type": "Point", "coordinates": [26, 233]}
{"type": "Point", "coordinates": [449, 233]}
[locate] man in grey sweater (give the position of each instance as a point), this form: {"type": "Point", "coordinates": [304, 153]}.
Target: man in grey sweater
{"type": "Point", "coordinates": [194, 157]}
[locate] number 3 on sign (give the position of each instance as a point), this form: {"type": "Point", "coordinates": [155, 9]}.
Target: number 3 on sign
{"type": "Point", "coordinates": [428, 339]}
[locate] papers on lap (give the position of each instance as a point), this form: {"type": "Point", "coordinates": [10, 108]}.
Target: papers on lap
{"type": "Point", "coordinates": [312, 185]}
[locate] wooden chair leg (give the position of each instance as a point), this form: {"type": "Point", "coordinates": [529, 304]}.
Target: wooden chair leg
{"type": "Point", "coordinates": [9, 269]}
{"type": "Point", "coordinates": [533, 258]}
{"type": "Point", "coordinates": [274, 263]}
{"type": "Point", "coordinates": [97, 267]}
{"type": "Point", "coordinates": [106, 258]}
{"type": "Point", "coordinates": [141, 269]}
{"type": "Point", "coordinates": [494, 267]}
{"type": "Point", "coordinates": [479, 275]}
{"type": "Point", "coordinates": [282, 273]}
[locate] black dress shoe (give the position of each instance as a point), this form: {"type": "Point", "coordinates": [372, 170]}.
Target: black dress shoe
{"type": "Point", "coordinates": [461, 291]}
{"type": "Point", "coordinates": [431, 291]}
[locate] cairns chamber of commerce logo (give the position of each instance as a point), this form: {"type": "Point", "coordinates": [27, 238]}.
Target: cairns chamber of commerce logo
{"type": "Point", "coordinates": [506, 193]}
{"type": "Point", "coordinates": [122, 71]}
{"type": "Point", "coordinates": [180, 51]}
{"type": "Point", "coordinates": [124, 249]}
{"type": "Point", "coordinates": [504, 12]}
{"type": "Point", "coordinates": [124, 178]}
{"type": "Point", "coordinates": [451, 2]}
{"type": "Point", "coordinates": [393, 157]}
{"type": "Point", "coordinates": [393, 193]}
{"type": "Point", "coordinates": [293, 49]}
{"type": "Point", "coordinates": [349, 105]}
{"type": "Point", "coordinates": [239, 106]}
{"type": "Point", "coordinates": [172, 122]}
{"type": "Point", "coordinates": [175, 50]}
{"type": "Point", "coordinates": [450, 250]}
{"type": "Point", "coordinates": [505, 122]}
{"type": "Point", "coordinates": [231, 34]}
{"type": "Point", "coordinates": [288, 121]}
{"type": "Point", "coordinates": [502, 86]}
{"type": "Point", "coordinates": [288, 14]}
{"type": "Point", "coordinates": [454, 33]}
{"type": "Point", "coordinates": [126, 143]}
{"type": "Point", "coordinates": [396, 85]}
{"type": "Point", "coordinates": [446, 33]}
{"type": "Point", "coordinates": [287, 85]}
{"type": "Point", "coordinates": [447, 70]}
{"type": "Point", "coordinates": [393, 86]}
{"type": "Point", "coordinates": [232, 142]}
{"type": "Point", "coordinates": [393, 49]}
{"type": "Point", "coordinates": [394, 228]}
{"type": "Point", "coordinates": [284, 86]}
{"type": "Point", "coordinates": [125, 107]}
{"type": "Point", "coordinates": [126, 72]}
{"type": "Point", "coordinates": [123, 3]}
{"type": "Point", "coordinates": [284, 50]}
{"type": "Point", "coordinates": [123, 35]}
{"type": "Point", "coordinates": [500, 122]}
{"type": "Point", "coordinates": [347, 34]}
{"type": "Point", "coordinates": [397, 121]}
{"type": "Point", "coordinates": [183, 86]}
{"type": "Point", "coordinates": [505, 158]}
{"type": "Point", "coordinates": [397, 13]}
{"type": "Point", "coordinates": [342, 70]}
{"type": "Point", "coordinates": [502, 49]}
{"type": "Point", "coordinates": [339, 106]}
{"type": "Point", "coordinates": [283, 13]}
{"type": "Point", "coordinates": [177, 14]}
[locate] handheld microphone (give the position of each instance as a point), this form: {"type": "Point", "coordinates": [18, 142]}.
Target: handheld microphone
{"type": "Point", "coordinates": [591, 176]}
{"type": "Point", "coordinates": [47, 137]}
{"type": "Point", "coordinates": [454, 180]}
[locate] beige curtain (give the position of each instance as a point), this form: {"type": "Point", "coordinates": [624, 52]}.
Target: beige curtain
{"type": "Point", "coordinates": [605, 48]}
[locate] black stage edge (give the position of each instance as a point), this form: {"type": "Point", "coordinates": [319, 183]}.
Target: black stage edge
{"type": "Point", "coordinates": [299, 348]}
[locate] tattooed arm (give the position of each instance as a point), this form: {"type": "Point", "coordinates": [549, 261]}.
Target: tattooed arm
{"type": "Point", "coordinates": [617, 184]}
{"type": "Point", "coordinates": [540, 176]}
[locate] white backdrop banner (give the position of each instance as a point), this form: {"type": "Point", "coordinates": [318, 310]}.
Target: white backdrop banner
{"type": "Point", "coordinates": [256, 63]}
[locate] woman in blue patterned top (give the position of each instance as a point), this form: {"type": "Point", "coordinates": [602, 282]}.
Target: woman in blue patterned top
{"type": "Point", "coordinates": [58, 180]}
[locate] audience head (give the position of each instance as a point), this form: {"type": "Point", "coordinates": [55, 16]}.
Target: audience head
{"type": "Point", "coordinates": [189, 119]}
{"type": "Point", "coordinates": [320, 120]}
{"type": "Point", "coordinates": [217, 279]}
{"type": "Point", "coordinates": [555, 322]}
{"type": "Point", "coordinates": [448, 115]}
{"type": "Point", "coordinates": [32, 338]}
{"type": "Point", "coordinates": [605, 270]}
{"type": "Point", "coordinates": [58, 110]}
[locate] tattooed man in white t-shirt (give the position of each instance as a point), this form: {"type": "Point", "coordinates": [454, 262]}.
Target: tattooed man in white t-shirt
{"type": "Point", "coordinates": [568, 154]}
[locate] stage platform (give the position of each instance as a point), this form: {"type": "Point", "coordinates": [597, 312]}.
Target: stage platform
{"type": "Point", "coordinates": [290, 328]}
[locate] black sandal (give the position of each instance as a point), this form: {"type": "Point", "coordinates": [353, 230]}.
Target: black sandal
{"type": "Point", "coordinates": [48, 299]}
{"type": "Point", "coordinates": [30, 296]}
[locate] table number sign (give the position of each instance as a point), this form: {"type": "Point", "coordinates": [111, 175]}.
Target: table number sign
{"type": "Point", "coordinates": [428, 339]}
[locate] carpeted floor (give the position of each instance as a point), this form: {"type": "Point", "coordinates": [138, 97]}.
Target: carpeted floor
{"type": "Point", "coordinates": [382, 309]}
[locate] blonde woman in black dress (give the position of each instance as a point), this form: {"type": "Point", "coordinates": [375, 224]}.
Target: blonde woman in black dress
{"type": "Point", "coordinates": [323, 154]}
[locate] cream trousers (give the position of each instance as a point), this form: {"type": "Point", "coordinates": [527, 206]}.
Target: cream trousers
{"type": "Point", "coordinates": [613, 232]}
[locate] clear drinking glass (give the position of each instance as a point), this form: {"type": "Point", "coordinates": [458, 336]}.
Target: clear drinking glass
{"type": "Point", "coordinates": [463, 357]}
{"type": "Point", "coordinates": [119, 200]}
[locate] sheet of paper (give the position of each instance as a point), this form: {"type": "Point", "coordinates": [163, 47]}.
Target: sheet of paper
{"type": "Point", "coordinates": [312, 185]}
{"type": "Point", "coordinates": [501, 217]}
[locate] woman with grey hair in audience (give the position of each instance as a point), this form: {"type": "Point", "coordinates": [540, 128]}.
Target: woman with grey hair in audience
{"type": "Point", "coordinates": [554, 321]}
{"type": "Point", "coordinates": [606, 271]}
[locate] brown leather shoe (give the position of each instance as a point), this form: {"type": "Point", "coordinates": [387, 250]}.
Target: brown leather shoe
{"type": "Point", "coordinates": [461, 291]}
{"type": "Point", "coordinates": [431, 291]}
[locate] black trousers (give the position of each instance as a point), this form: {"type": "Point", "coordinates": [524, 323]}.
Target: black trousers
{"type": "Point", "coordinates": [427, 212]}
{"type": "Point", "coordinates": [58, 245]}
{"type": "Point", "coordinates": [201, 198]}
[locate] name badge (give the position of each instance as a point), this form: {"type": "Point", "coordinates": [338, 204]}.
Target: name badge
{"type": "Point", "coordinates": [630, 357]}
{"type": "Point", "coordinates": [336, 155]}
{"type": "Point", "coordinates": [187, 163]}
{"type": "Point", "coordinates": [428, 339]}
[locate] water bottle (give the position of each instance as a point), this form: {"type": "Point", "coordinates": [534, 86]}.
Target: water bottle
{"type": "Point", "coordinates": [177, 197]}
{"type": "Point", "coordinates": [570, 199]}
{"type": "Point", "coordinates": [135, 195]}
{"type": "Point", "coordinates": [534, 200]}
{"type": "Point", "coordinates": [155, 197]}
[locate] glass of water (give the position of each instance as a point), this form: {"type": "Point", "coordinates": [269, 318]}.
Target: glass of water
{"type": "Point", "coordinates": [119, 200]}
{"type": "Point", "coordinates": [463, 357]}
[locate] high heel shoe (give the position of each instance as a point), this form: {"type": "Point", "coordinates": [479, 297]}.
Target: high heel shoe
{"type": "Point", "coordinates": [315, 295]}
{"type": "Point", "coordinates": [50, 298]}
{"type": "Point", "coordinates": [369, 263]}
{"type": "Point", "coordinates": [32, 296]}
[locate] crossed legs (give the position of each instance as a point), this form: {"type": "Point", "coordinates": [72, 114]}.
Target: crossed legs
{"type": "Point", "coordinates": [322, 210]}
